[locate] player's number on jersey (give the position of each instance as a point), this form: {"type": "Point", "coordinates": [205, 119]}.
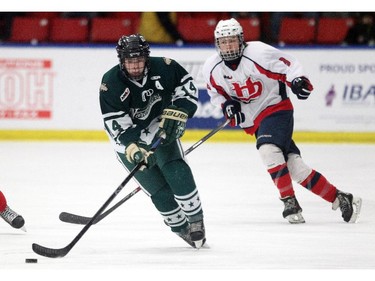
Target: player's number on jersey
{"type": "Point", "coordinates": [191, 88]}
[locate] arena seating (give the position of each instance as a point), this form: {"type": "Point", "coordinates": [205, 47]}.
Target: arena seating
{"type": "Point", "coordinates": [109, 30]}
{"type": "Point", "coordinates": [251, 28]}
{"type": "Point", "coordinates": [197, 30]}
{"type": "Point", "coordinates": [195, 27]}
{"type": "Point", "coordinates": [332, 30]}
{"type": "Point", "coordinates": [69, 30]}
{"type": "Point", "coordinates": [44, 15]}
{"type": "Point", "coordinates": [29, 30]}
{"type": "Point", "coordinates": [297, 31]}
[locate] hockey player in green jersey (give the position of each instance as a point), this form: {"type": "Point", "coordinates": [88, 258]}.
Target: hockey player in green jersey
{"type": "Point", "coordinates": [141, 99]}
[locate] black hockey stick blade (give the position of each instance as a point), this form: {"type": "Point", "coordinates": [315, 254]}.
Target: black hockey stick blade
{"type": "Point", "coordinates": [49, 252]}
{"type": "Point", "coordinates": [77, 219]}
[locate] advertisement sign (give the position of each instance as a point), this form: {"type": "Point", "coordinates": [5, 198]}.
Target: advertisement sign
{"type": "Point", "coordinates": [26, 88]}
{"type": "Point", "coordinates": [57, 88]}
{"type": "Point", "coordinates": [344, 90]}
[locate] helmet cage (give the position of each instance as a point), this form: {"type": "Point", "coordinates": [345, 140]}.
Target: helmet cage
{"type": "Point", "coordinates": [133, 46]}
{"type": "Point", "coordinates": [229, 28]}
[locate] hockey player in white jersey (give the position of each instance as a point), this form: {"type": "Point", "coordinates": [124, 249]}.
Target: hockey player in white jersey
{"type": "Point", "coordinates": [251, 81]}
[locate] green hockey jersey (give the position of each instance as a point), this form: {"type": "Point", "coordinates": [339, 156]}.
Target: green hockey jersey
{"type": "Point", "coordinates": [131, 109]}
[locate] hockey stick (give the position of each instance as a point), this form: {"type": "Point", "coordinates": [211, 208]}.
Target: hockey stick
{"type": "Point", "coordinates": [77, 219]}
{"type": "Point", "coordinates": [59, 253]}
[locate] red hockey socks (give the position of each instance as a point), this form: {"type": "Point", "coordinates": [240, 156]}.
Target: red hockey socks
{"type": "Point", "coordinates": [319, 185]}
{"type": "Point", "coordinates": [3, 202]}
{"type": "Point", "coordinates": [281, 177]}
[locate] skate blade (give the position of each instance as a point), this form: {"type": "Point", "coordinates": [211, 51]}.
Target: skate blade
{"type": "Point", "coordinates": [357, 204]}
{"type": "Point", "coordinates": [199, 243]}
{"type": "Point", "coordinates": [295, 218]}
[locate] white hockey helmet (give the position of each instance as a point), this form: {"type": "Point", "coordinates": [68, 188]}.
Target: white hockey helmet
{"type": "Point", "coordinates": [229, 28]}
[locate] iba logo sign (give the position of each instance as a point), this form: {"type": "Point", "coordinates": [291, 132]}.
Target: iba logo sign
{"type": "Point", "coordinates": [26, 88]}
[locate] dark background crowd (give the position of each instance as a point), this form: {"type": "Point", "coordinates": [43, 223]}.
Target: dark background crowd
{"type": "Point", "coordinates": [181, 28]}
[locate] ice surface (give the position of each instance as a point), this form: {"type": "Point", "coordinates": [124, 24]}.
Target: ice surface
{"type": "Point", "coordinates": [247, 238]}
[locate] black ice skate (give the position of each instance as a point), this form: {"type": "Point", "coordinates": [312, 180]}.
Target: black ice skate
{"type": "Point", "coordinates": [185, 235]}
{"type": "Point", "coordinates": [14, 219]}
{"type": "Point", "coordinates": [198, 233]}
{"type": "Point", "coordinates": [350, 206]}
{"type": "Point", "coordinates": [194, 234]}
{"type": "Point", "coordinates": [292, 211]}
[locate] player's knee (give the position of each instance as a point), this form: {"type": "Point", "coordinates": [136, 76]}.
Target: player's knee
{"type": "Point", "coordinates": [272, 156]}
{"type": "Point", "coordinates": [299, 171]}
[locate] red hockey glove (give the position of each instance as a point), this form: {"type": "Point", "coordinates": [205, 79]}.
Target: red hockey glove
{"type": "Point", "coordinates": [302, 87]}
{"type": "Point", "coordinates": [232, 111]}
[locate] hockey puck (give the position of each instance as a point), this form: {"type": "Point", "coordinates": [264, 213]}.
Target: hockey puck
{"type": "Point", "coordinates": [31, 260]}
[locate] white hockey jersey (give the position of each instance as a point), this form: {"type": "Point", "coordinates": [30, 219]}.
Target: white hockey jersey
{"type": "Point", "coordinates": [259, 82]}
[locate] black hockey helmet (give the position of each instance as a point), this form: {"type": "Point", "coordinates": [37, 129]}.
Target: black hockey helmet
{"type": "Point", "coordinates": [132, 46]}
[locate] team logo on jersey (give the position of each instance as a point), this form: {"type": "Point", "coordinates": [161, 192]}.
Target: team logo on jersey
{"type": "Point", "coordinates": [167, 61]}
{"type": "Point", "coordinates": [249, 91]}
{"type": "Point", "coordinates": [228, 77]}
{"type": "Point", "coordinates": [147, 93]}
{"type": "Point", "coordinates": [142, 114]}
{"type": "Point", "coordinates": [125, 94]}
{"type": "Point", "coordinates": [103, 87]}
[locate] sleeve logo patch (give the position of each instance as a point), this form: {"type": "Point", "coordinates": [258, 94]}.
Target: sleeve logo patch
{"type": "Point", "coordinates": [125, 94]}
{"type": "Point", "coordinates": [103, 87]}
{"type": "Point", "coordinates": [167, 61]}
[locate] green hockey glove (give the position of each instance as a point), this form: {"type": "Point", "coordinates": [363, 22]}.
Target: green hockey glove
{"type": "Point", "coordinates": [173, 123]}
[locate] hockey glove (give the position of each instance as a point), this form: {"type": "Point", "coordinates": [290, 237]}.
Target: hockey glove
{"type": "Point", "coordinates": [302, 87]}
{"type": "Point", "coordinates": [232, 111]}
{"type": "Point", "coordinates": [172, 124]}
{"type": "Point", "coordinates": [136, 154]}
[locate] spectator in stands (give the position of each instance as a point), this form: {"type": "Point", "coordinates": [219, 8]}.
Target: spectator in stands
{"type": "Point", "coordinates": [160, 28]}
{"type": "Point", "coordinates": [362, 32]}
